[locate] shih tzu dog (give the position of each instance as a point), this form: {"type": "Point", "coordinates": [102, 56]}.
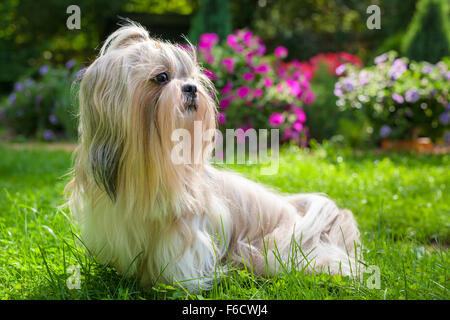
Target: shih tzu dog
{"type": "Point", "coordinates": [162, 221]}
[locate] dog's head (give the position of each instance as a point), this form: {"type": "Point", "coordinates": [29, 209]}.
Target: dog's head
{"type": "Point", "coordinates": [132, 98]}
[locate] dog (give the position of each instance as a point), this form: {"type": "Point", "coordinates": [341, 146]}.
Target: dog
{"type": "Point", "coordinates": [183, 224]}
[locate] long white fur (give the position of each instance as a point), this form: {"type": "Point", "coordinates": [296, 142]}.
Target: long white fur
{"type": "Point", "coordinates": [170, 223]}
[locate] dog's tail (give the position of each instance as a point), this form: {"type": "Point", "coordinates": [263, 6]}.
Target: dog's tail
{"type": "Point", "coordinates": [330, 235]}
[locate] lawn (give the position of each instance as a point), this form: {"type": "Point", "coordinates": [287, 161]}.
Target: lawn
{"type": "Point", "coordinates": [400, 201]}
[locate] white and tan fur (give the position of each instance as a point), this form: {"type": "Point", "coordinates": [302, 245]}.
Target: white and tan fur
{"type": "Point", "coordinates": [163, 222]}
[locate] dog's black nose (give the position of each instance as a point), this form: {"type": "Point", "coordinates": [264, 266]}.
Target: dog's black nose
{"type": "Point", "coordinates": [190, 89]}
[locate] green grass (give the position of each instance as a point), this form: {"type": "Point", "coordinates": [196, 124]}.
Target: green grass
{"type": "Point", "coordinates": [400, 201]}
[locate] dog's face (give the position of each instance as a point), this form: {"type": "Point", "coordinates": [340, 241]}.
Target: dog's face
{"type": "Point", "coordinates": [132, 98]}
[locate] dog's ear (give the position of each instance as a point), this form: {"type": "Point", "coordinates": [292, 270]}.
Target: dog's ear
{"type": "Point", "coordinates": [104, 158]}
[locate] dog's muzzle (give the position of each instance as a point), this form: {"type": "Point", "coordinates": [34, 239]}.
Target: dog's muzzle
{"type": "Point", "coordinates": [190, 97]}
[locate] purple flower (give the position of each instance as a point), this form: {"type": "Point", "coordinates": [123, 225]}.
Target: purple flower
{"type": "Point", "coordinates": [382, 58]}
{"type": "Point", "coordinates": [281, 52]}
{"type": "Point", "coordinates": [338, 92]}
{"type": "Point", "coordinates": [18, 86]}
{"type": "Point", "coordinates": [43, 70]}
{"type": "Point", "coordinates": [348, 85]}
{"type": "Point", "coordinates": [364, 77]}
{"type": "Point", "coordinates": [70, 64]}
{"type": "Point", "coordinates": [48, 135]}
{"type": "Point", "coordinates": [80, 73]}
{"type": "Point", "coordinates": [447, 137]}
{"type": "Point", "coordinates": [276, 119]}
{"type": "Point", "coordinates": [243, 91]}
{"type": "Point", "coordinates": [447, 106]}
{"type": "Point", "coordinates": [38, 99]}
{"type": "Point", "coordinates": [221, 118]}
{"type": "Point", "coordinates": [53, 119]}
{"type": "Point", "coordinates": [385, 131]}
{"type": "Point", "coordinates": [12, 98]}
{"type": "Point", "coordinates": [427, 69]}
{"type": "Point", "coordinates": [207, 40]}
{"type": "Point", "coordinates": [444, 118]}
{"type": "Point", "coordinates": [247, 76]}
{"type": "Point", "coordinates": [397, 69]}
{"type": "Point", "coordinates": [227, 88]}
{"type": "Point", "coordinates": [397, 98]}
{"type": "Point", "coordinates": [341, 70]}
{"type": "Point", "coordinates": [228, 63]}
{"type": "Point", "coordinates": [28, 82]}
{"type": "Point", "coordinates": [412, 96]}
{"type": "Point", "coordinates": [447, 75]}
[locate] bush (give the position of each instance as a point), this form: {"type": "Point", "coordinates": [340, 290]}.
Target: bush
{"type": "Point", "coordinates": [402, 99]}
{"type": "Point", "coordinates": [428, 36]}
{"type": "Point", "coordinates": [42, 108]}
{"type": "Point", "coordinates": [257, 90]}
{"type": "Point", "coordinates": [323, 116]}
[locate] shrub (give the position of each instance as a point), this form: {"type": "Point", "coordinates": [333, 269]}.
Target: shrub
{"type": "Point", "coordinates": [428, 36]}
{"type": "Point", "coordinates": [257, 90]}
{"type": "Point", "coordinates": [42, 107]}
{"type": "Point", "coordinates": [402, 99]}
{"type": "Point", "coordinates": [323, 116]}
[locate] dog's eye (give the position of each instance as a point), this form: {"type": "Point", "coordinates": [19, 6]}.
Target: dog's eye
{"type": "Point", "coordinates": [162, 78]}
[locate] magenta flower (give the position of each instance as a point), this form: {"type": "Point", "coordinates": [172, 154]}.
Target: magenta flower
{"type": "Point", "coordinates": [247, 76]}
{"type": "Point", "coordinates": [228, 63]}
{"type": "Point", "coordinates": [257, 93]}
{"type": "Point", "coordinates": [221, 118]}
{"type": "Point", "coordinates": [227, 88]}
{"type": "Point", "coordinates": [225, 102]}
{"type": "Point", "coordinates": [301, 116]}
{"type": "Point", "coordinates": [243, 91]}
{"type": "Point", "coordinates": [261, 50]}
{"type": "Point", "coordinates": [276, 119]}
{"type": "Point", "coordinates": [309, 98]}
{"type": "Point", "coordinates": [294, 86]}
{"type": "Point", "coordinates": [210, 74]}
{"type": "Point", "coordinates": [232, 41]}
{"type": "Point", "coordinates": [298, 126]}
{"type": "Point", "coordinates": [281, 52]}
{"type": "Point", "coordinates": [268, 82]}
{"type": "Point", "coordinates": [261, 69]}
{"type": "Point", "coordinates": [207, 40]}
{"type": "Point", "coordinates": [248, 35]}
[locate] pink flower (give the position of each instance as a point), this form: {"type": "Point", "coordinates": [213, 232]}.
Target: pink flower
{"type": "Point", "coordinates": [276, 119]}
{"type": "Point", "coordinates": [261, 69]}
{"type": "Point", "coordinates": [247, 76]}
{"type": "Point", "coordinates": [210, 74]}
{"type": "Point", "coordinates": [294, 86]}
{"type": "Point", "coordinates": [309, 98]}
{"type": "Point", "coordinates": [249, 58]}
{"type": "Point", "coordinates": [232, 41]}
{"type": "Point", "coordinates": [225, 102]}
{"type": "Point", "coordinates": [221, 118]}
{"type": "Point", "coordinates": [281, 52]}
{"type": "Point", "coordinates": [228, 63]}
{"type": "Point", "coordinates": [243, 91]}
{"type": "Point", "coordinates": [227, 88]}
{"type": "Point", "coordinates": [268, 82]}
{"type": "Point", "coordinates": [207, 40]}
{"type": "Point", "coordinates": [257, 93]}
{"type": "Point", "coordinates": [301, 116]}
{"type": "Point", "coordinates": [298, 126]}
{"type": "Point", "coordinates": [248, 38]}
{"type": "Point", "coordinates": [261, 50]}
{"type": "Point", "coordinates": [280, 87]}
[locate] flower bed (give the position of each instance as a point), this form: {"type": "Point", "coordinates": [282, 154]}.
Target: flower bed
{"type": "Point", "coordinates": [256, 89]}
{"type": "Point", "coordinates": [403, 99]}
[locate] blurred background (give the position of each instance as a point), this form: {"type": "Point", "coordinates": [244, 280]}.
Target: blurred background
{"type": "Point", "coordinates": [312, 68]}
